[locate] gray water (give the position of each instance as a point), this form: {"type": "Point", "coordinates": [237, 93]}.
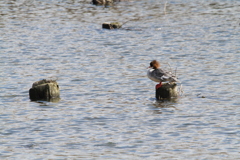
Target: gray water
{"type": "Point", "coordinates": [108, 108]}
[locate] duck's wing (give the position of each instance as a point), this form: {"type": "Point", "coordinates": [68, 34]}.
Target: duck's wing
{"type": "Point", "coordinates": [164, 76]}
{"type": "Point", "coordinates": [158, 74]}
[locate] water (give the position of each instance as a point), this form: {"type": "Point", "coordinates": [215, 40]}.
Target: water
{"type": "Point", "coordinates": [107, 108]}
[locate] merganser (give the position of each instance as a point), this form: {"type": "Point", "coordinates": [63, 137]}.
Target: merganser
{"type": "Point", "coordinates": [158, 75]}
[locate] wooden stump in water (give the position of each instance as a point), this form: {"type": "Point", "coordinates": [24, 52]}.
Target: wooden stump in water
{"type": "Point", "coordinates": [111, 25]}
{"type": "Point", "coordinates": [44, 90]}
{"type": "Point", "coordinates": [167, 91]}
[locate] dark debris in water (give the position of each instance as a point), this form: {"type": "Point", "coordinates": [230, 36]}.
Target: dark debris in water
{"type": "Point", "coordinates": [109, 144]}
{"type": "Point", "coordinates": [200, 96]}
{"type": "Point", "coordinates": [29, 146]}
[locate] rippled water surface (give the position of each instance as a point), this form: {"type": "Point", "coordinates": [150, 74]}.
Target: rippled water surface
{"type": "Point", "coordinates": [108, 108]}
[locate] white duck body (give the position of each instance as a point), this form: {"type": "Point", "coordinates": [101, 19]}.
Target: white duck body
{"type": "Point", "coordinates": [158, 75]}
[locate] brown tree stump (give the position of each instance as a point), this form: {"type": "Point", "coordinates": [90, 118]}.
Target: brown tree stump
{"type": "Point", "coordinates": [44, 90]}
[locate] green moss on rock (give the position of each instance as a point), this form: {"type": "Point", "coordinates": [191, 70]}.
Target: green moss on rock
{"type": "Point", "coordinates": [44, 90]}
{"type": "Point", "coordinates": [168, 90]}
{"type": "Point", "coordinates": [111, 25]}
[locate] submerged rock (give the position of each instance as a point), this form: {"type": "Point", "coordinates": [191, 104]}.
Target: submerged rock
{"type": "Point", "coordinates": [167, 91]}
{"type": "Point", "coordinates": [111, 25]}
{"type": "Point", "coordinates": [44, 90]}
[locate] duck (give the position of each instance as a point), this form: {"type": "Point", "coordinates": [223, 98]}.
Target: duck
{"type": "Point", "coordinates": [166, 90]}
{"type": "Point", "coordinates": [156, 74]}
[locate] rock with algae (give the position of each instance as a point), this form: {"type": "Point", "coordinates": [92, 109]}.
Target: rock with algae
{"type": "Point", "coordinates": [102, 2]}
{"type": "Point", "coordinates": [107, 2]}
{"type": "Point", "coordinates": [44, 90]}
{"type": "Point", "coordinates": [111, 25]}
{"type": "Point", "coordinates": [167, 91]}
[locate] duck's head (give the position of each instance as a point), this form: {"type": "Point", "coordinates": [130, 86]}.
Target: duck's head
{"type": "Point", "coordinates": [154, 64]}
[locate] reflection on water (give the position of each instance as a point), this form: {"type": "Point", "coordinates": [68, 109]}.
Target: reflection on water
{"type": "Point", "coordinates": [107, 108]}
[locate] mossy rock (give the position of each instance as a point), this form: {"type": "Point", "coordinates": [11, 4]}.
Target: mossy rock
{"type": "Point", "coordinates": [167, 91]}
{"type": "Point", "coordinates": [102, 2]}
{"type": "Point", "coordinates": [111, 25]}
{"type": "Point", "coordinates": [44, 90]}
